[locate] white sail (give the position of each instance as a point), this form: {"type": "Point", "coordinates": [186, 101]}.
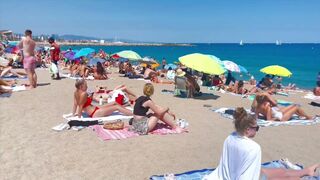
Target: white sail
{"type": "Point", "coordinates": [241, 43]}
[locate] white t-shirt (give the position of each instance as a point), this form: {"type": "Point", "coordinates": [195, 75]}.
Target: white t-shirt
{"type": "Point", "coordinates": [240, 160]}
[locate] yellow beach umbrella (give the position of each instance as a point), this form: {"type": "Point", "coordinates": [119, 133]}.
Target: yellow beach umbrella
{"type": "Point", "coordinates": [276, 70]}
{"type": "Point", "coordinates": [202, 63]}
{"type": "Point", "coordinates": [153, 66]}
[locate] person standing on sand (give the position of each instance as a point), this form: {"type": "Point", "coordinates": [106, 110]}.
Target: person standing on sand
{"type": "Point", "coordinates": [55, 55]}
{"type": "Point", "coordinates": [28, 45]}
{"type": "Point", "coordinates": [164, 62]}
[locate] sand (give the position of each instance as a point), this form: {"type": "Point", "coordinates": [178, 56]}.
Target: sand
{"type": "Point", "coordinates": [29, 149]}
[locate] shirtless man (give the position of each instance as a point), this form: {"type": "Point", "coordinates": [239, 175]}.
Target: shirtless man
{"type": "Point", "coordinates": [28, 45]}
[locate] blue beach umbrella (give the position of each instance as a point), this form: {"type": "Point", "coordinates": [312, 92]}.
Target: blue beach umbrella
{"type": "Point", "coordinates": [94, 61]}
{"type": "Point", "coordinates": [84, 52]}
{"type": "Point", "coordinates": [243, 69]}
{"type": "Point", "coordinates": [172, 66]}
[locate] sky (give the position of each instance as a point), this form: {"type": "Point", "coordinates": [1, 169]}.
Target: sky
{"type": "Point", "coordinates": [173, 21]}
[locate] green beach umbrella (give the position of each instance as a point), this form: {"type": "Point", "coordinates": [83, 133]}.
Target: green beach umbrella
{"type": "Point", "coordinates": [131, 55]}
{"type": "Point", "coordinates": [202, 63]}
{"type": "Point", "coordinates": [276, 70]}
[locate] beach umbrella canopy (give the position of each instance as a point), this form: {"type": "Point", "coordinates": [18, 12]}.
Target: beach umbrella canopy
{"type": "Point", "coordinates": [84, 52]}
{"type": "Point", "coordinates": [131, 55]}
{"type": "Point", "coordinates": [202, 63]}
{"type": "Point", "coordinates": [94, 61]}
{"type": "Point", "coordinates": [153, 66]}
{"type": "Point", "coordinates": [276, 70]}
{"type": "Point", "coordinates": [231, 66]}
{"type": "Point", "coordinates": [243, 69]}
{"type": "Point", "coordinates": [12, 50]}
{"type": "Point", "coordinates": [148, 60]}
{"type": "Point", "coordinates": [172, 66]}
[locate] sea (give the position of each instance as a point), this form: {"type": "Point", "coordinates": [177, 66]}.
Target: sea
{"type": "Point", "coordinates": [303, 60]}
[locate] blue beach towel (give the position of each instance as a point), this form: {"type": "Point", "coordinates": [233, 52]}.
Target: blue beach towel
{"type": "Point", "coordinates": [12, 77]}
{"type": "Point", "coordinates": [228, 113]}
{"type": "Point", "coordinates": [199, 174]}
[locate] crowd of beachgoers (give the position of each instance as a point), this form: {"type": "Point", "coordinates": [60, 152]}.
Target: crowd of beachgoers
{"type": "Point", "coordinates": [145, 113]}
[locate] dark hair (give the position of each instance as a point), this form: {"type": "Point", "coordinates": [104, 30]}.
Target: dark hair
{"type": "Point", "coordinates": [100, 69]}
{"type": "Point", "coordinates": [51, 39]}
{"type": "Point", "coordinates": [28, 32]}
{"type": "Point", "coordinates": [240, 83]}
{"type": "Point", "coordinates": [243, 120]}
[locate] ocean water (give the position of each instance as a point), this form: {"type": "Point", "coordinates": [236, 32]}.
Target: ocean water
{"type": "Point", "coordinates": [303, 60]}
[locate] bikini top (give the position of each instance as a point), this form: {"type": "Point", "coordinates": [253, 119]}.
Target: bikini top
{"type": "Point", "coordinates": [88, 102]}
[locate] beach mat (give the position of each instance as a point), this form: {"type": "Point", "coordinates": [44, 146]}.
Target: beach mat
{"type": "Point", "coordinates": [13, 77]}
{"type": "Point", "coordinates": [76, 77]}
{"type": "Point", "coordinates": [228, 113]}
{"type": "Point", "coordinates": [105, 134]}
{"type": "Point", "coordinates": [200, 174]}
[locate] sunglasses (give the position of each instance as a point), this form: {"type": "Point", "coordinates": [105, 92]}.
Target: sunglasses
{"type": "Point", "coordinates": [255, 128]}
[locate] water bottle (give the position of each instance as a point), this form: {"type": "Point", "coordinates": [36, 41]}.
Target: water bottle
{"type": "Point", "coordinates": [100, 101]}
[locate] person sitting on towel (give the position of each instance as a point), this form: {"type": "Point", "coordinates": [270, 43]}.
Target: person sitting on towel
{"type": "Point", "coordinates": [263, 105]}
{"type": "Point", "coordinates": [143, 121]}
{"type": "Point", "coordinates": [82, 103]}
{"type": "Point", "coordinates": [241, 156]}
{"type": "Point", "coordinates": [99, 72]}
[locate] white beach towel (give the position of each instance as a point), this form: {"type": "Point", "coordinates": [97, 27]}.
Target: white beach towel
{"type": "Point", "coordinates": [312, 97]}
{"type": "Point", "coordinates": [77, 77]}
{"type": "Point", "coordinates": [228, 113]}
{"type": "Point", "coordinates": [15, 88]}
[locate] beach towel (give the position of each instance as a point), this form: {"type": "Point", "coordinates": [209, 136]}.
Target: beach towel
{"type": "Point", "coordinates": [5, 94]}
{"type": "Point", "coordinates": [200, 174]}
{"type": "Point", "coordinates": [15, 88]}
{"type": "Point", "coordinates": [312, 97]}
{"type": "Point", "coordinates": [13, 77]}
{"type": "Point", "coordinates": [75, 77]}
{"type": "Point", "coordinates": [279, 101]}
{"type": "Point", "coordinates": [228, 113]}
{"type": "Point", "coordinates": [105, 134]}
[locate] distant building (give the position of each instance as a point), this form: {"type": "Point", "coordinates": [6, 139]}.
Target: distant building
{"type": "Point", "coordinates": [101, 41]}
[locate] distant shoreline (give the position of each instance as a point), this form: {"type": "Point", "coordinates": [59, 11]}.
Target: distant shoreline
{"type": "Point", "coordinates": [113, 44]}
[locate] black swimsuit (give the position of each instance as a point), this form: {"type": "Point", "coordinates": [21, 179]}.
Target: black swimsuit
{"type": "Point", "coordinates": [138, 108]}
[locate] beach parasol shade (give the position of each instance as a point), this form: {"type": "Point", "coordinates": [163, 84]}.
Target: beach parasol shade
{"type": "Point", "coordinates": [148, 60]}
{"type": "Point", "coordinates": [69, 55]}
{"type": "Point", "coordinates": [84, 52]}
{"type": "Point", "coordinates": [153, 66]}
{"type": "Point", "coordinates": [131, 55]}
{"type": "Point", "coordinates": [202, 63]}
{"type": "Point", "coordinates": [172, 66]}
{"type": "Point", "coordinates": [94, 61]}
{"type": "Point", "coordinates": [243, 69]}
{"type": "Point", "coordinates": [231, 66]}
{"type": "Point", "coordinates": [276, 70]}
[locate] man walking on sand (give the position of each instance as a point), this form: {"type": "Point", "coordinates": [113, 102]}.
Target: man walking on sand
{"type": "Point", "coordinates": [55, 55]}
{"type": "Point", "coordinates": [27, 45]}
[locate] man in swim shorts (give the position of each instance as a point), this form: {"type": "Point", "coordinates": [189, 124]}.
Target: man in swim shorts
{"type": "Point", "coordinates": [27, 45]}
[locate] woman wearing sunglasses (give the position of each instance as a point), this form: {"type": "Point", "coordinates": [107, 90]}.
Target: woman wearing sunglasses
{"type": "Point", "coordinates": [241, 156]}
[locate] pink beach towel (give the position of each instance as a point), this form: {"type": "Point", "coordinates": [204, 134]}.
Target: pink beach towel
{"type": "Point", "coordinates": [104, 134]}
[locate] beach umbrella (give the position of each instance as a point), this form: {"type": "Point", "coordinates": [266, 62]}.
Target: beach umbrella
{"type": "Point", "coordinates": [131, 55]}
{"type": "Point", "coordinates": [202, 63]}
{"type": "Point", "coordinates": [148, 60]}
{"type": "Point", "coordinates": [243, 69]}
{"type": "Point", "coordinates": [276, 70]}
{"type": "Point", "coordinates": [12, 50]}
{"type": "Point", "coordinates": [172, 66]}
{"type": "Point", "coordinates": [94, 61]}
{"type": "Point", "coordinates": [231, 66]}
{"type": "Point", "coordinates": [153, 66]}
{"type": "Point", "coordinates": [84, 52]}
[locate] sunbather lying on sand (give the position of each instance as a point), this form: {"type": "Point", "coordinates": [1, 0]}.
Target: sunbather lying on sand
{"type": "Point", "coordinates": [241, 156]}
{"type": "Point", "coordinates": [154, 78]}
{"type": "Point", "coordinates": [106, 94]}
{"type": "Point", "coordinates": [7, 70]}
{"type": "Point", "coordinates": [266, 106]}
{"type": "Point", "coordinates": [143, 121]}
{"type": "Point", "coordinates": [82, 103]}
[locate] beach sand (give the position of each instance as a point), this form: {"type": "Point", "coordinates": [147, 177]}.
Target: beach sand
{"type": "Point", "coordinates": [29, 149]}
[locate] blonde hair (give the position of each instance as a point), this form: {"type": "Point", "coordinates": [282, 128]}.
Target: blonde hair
{"type": "Point", "coordinates": [148, 89]}
{"type": "Point", "coordinates": [79, 82]}
{"type": "Point", "coordinates": [243, 120]}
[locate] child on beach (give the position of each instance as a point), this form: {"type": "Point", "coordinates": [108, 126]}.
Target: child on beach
{"type": "Point", "coordinates": [241, 156]}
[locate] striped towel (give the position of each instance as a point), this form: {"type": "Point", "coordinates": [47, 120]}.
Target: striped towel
{"type": "Point", "coordinates": [228, 113]}
{"type": "Point", "coordinates": [105, 134]}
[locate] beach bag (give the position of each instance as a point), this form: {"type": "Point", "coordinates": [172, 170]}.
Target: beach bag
{"type": "Point", "coordinates": [117, 125]}
{"type": "Point", "coordinates": [53, 69]}
{"type": "Point", "coordinates": [119, 97]}
{"type": "Point", "coordinates": [82, 123]}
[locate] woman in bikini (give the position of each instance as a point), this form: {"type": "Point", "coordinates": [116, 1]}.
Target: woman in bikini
{"type": "Point", "coordinates": [99, 72]}
{"type": "Point", "coordinates": [265, 105]}
{"type": "Point", "coordinates": [82, 103]}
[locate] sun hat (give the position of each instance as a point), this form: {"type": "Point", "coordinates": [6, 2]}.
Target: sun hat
{"type": "Point", "coordinates": [180, 73]}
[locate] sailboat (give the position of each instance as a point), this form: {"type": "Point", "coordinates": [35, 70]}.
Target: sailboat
{"type": "Point", "coordinates": [278, 43]}
{"type": "Point", "coordinates": [241, 43]}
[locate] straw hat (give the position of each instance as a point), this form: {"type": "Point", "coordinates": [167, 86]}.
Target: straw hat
{"type": "Point", "coordinates": [180, 73]}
